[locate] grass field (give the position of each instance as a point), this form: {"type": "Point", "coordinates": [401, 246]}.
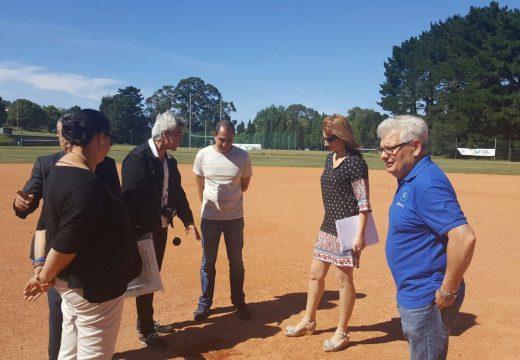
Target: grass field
{"type": "Point", "coordinates": [287, 158]}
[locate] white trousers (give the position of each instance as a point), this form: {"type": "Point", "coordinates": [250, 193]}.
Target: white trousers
{"type": "Point", "coordinates": [89, 330]}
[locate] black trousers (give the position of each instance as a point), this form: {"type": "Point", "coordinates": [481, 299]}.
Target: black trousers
{"type": "Point", "coordinates": [144, 303]}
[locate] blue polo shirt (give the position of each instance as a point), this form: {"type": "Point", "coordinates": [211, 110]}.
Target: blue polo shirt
{"type": "Point", "coordinates": [424, 209]}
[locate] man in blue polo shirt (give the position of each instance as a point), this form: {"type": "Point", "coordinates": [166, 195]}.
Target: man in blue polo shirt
{"type": "Point", "coordinates": [429, 244]}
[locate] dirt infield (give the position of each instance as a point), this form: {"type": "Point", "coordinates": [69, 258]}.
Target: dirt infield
{"type": "Point", "coordinates": [283, 214]}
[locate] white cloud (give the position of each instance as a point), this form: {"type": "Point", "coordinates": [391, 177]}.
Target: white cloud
{"type": "Point", "coordinates": [42, 79]}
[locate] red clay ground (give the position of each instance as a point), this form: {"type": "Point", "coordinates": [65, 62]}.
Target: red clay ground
{"type": "Point", "coordinates": [283, 214]}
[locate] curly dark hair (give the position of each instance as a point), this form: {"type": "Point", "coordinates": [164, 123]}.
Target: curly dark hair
{"type": "Point", "coordinates": [81, 127]}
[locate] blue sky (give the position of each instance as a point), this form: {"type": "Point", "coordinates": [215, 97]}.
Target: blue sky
{"type": "Point", "coordinates": [327, 55]}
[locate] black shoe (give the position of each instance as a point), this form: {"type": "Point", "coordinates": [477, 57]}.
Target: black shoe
{"type": "Point", "coordinates": [153, 341]}
{"type": "Point", "coordinates": [164, 329]}
{"type": "Point", "coordinates": [243, 312]}
{"type": "Point", "coordinates": [201, 313]}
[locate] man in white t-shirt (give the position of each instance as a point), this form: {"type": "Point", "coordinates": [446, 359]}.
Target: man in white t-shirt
{"type": "Point", "coordinates": [222, 173]}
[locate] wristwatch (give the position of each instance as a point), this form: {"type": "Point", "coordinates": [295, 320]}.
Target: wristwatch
{"type": "Point", "coordinates": [446, 295]}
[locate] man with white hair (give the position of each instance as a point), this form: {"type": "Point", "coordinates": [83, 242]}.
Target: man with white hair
{"type": "Point", "coordinates": [429, 243]}
{"type": "Point", "coordinates": [152, 194]}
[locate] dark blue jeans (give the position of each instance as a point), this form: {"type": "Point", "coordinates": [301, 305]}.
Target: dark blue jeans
{"type": "Point", "coordinates": [234, 238]}
{"type": "Point", "coordinates": [144, 303]}
{"type": "Point", "coordinates": [427, 329]}
{"type": "Point", "coordinates": [55, 321]}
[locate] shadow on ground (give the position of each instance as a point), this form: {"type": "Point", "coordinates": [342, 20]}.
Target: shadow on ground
{"type": "Point", "coordinates": [393, 332]}
{"type": "Point", "coordinates": [464, 322]}
{"type": "Point", "coordinates": [223, 329]}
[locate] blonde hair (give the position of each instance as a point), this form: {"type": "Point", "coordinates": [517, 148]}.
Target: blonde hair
{"type": "Point", "coordinates": [339, 126]}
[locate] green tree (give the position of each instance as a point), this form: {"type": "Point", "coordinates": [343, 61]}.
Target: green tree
{"type": "Point", "coordinates": [53, 114]}
{"type": "Point", "coordinates": [27, 115]}
{"type": "Point", "coordinates": [73, 110]}
{"type": "Point", "coordinates": [293, 127]}
{"type": "Point", "coordinates": [241, 128]}
{"type": "Point", "coordinates": [160, 101]}
{"type": "Point", "coordinates": [269, 124]}
{"type": "Point", "coordinates": [462, 74]}
{"type": "Point", "coordinates": [407, 72]}
{"type": "Point", "coordinates": [251, 128]}
{"type": "Point", "coordinates": [3, 113]}
{"type": "Point", "coordinates": [364, 125]}
{"type": "Point", "coordinates": [306, 123]}
{"type": "Point", "coordinates": [207, 104]}
{"type": "Point", "coordinates": [126, 114]}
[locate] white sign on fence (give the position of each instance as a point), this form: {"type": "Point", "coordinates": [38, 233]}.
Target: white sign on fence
{"type": "Point", "coordinates": [476, 152]}
{"type": "Point", "coordinates": [248, 147]}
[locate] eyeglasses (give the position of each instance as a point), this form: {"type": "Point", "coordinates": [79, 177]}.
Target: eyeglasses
{"type": "Point", "coordinates": [330, 138]}
{"type": "Point", "coordinates": [393, 150]}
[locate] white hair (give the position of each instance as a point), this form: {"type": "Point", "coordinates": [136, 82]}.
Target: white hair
{"type": "Point", "coordinates": [411, 127]}
{"type": "Point", "coordinates": [166, 121]}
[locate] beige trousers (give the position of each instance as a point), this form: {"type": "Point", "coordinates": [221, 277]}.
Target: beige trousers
{"type": "Point", "coordinates": [89, 330]}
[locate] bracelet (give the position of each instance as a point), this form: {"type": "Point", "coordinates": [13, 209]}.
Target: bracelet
{"type": "Point", "coordinates": [37, 264]}
{"type": "Point", "coordinates": [40, 259]}
{"type": "Point", "coordinates": [447, 295]}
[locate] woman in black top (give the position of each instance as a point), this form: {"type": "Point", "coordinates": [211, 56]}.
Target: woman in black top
{"type": "Point", "coordinates": [344, 187]}
{"type": "Point", "coordinates": [93, 252]}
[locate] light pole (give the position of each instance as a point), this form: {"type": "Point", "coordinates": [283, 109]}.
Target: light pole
{"type": "Point", "coordinates": [189, 141]}
{"type": "Point", "coordinates": [17, 118]}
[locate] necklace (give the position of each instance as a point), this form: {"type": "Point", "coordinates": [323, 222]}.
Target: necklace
{"type": "Point", "coordinates": [83, 160]}
{"type": "Point", "coordinates": [64, 162]}
{"type": "Point", "coordinates": [78, 155]}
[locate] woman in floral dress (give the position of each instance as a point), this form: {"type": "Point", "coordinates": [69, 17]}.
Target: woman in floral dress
{"type": "Point", "coordinates": [345, 192]}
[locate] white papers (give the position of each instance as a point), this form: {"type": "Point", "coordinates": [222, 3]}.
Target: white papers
{"type": "Point", "coordinates": [348, 227]}
{"type": "Point", "coordinates": [150, 279]}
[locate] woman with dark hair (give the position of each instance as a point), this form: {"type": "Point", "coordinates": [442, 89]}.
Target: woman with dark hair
{"type": "Point", "coordinates": [93, 251]}
{"type": "Point", "coordinates": [344, 187]}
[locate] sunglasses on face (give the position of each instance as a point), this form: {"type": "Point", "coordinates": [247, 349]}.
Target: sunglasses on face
{"type": "Point", "coordinates": [330, 138]}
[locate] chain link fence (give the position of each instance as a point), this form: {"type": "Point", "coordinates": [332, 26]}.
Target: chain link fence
{"type": "Point", "coordinates": [280, 141]}
{"type": "Point", "coordinates": [445, 146]}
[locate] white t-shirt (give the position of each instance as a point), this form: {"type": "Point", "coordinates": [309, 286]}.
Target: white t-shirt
{"type": "Point", "coordinates": [222, 196]}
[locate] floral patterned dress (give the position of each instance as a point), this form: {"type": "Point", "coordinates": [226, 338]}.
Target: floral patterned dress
{"type": "Point", "coordinates": [345, 193]}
